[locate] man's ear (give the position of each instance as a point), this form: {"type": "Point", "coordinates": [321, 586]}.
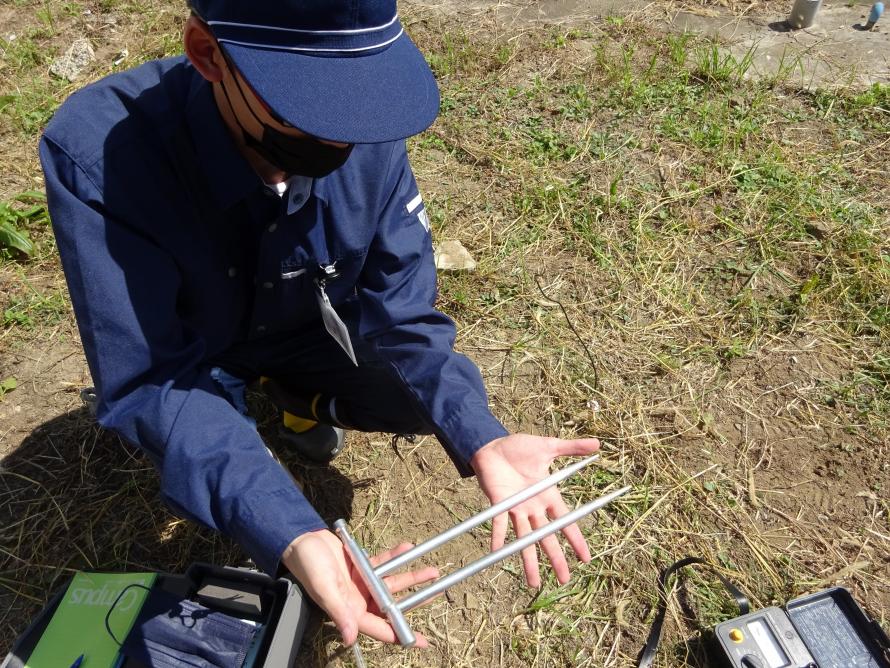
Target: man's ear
{"type": "Point", "coordinates": [202, 49]}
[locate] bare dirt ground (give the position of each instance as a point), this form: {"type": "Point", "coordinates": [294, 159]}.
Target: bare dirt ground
{"type": "Point", "coordinates": [744, 401]}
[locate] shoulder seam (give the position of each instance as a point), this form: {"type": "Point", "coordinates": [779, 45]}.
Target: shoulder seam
{"type": "Point", "coordinates": [74, 161]}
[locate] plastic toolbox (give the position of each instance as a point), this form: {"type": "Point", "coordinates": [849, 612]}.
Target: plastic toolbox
{"type": "Point", "coordinates": [278, 604]}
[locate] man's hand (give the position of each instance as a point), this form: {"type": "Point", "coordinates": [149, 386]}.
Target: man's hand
{"type": "Point", "coordinates": [512, 463]}
{"type": "Point", "coordinates": [321, 564]}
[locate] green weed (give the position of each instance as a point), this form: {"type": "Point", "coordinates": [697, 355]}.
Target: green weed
{"type": "Point", "coordinates": [457, 54]}
{"type": "Point", "coordinates": [7, 385]}
{"type": "Point", "coordinates": [715, 65]}
{"type": "Point", "coordinates": [15, 220]}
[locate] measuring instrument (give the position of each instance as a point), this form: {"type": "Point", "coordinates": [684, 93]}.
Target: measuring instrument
{"type": "Point", "coordinates": [827, 629]}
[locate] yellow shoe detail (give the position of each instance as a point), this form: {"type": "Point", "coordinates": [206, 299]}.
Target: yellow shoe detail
{"type": "Point", "coordinates": [296, 424]}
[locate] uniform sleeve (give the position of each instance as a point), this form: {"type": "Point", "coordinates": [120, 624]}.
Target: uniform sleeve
{"type": "Point", "coordinates": [397, 293]}
{"type": "Point", "coordinates": [152, 388]}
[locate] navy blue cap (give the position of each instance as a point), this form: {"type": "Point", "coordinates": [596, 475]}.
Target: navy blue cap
{"type": "Point", "coordinates": [341, 70]}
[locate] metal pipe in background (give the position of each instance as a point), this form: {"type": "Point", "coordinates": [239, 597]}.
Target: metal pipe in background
{"type": "Point", "coordinates": [877, 10]}
{"type": "Point", "coordinates": [376, 587]}
{"type": "Point", "coordinates": [440, 585]}
{"type": "Point", "coordinates": [476, 520]}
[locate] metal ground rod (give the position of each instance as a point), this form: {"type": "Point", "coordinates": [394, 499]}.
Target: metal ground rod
{"type": "Point", "coordinates": [422, 596]}
{"type": "Point", "coordinates": [476, 520]}
{"type": "Point", "coordinates": [376, 587]}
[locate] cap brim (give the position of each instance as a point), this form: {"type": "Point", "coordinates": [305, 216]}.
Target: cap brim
{"type": "Point", "coordinates": [365, 99]}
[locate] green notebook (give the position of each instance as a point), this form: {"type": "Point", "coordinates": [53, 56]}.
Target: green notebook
{"type": "Point", "coordinates": [78, 624]}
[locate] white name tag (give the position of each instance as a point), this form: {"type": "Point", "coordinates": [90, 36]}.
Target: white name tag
{"type": "Point", "coordinates": [333, 323]}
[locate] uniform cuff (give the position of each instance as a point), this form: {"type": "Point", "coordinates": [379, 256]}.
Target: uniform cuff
{"type": "Point", "coordinates": [269, 521]}
{"type": "Point", "coordinates": [466, 431]}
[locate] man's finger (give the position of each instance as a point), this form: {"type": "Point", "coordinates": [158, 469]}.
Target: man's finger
{"type": "Point", "coordinates": [397, 583]}
{"type": "Point", "coordinates": [551, 547]}
{"type": "Point", "coordinates": [383, 557]}
{"type": "Point", "coordinates": [498, 531]}
{"type": "Point", "coordinates": [572, 533]}
{"type": "Point", "coordinates": [378, 628]}
{"type": "Point", "coordinates": [578, 446]}
{"type": "Point", "coordinates": [576, 540]}
{"type": "Point", "coordinates": [529, 555]}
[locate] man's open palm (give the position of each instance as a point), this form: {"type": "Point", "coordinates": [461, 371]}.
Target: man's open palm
{"type": "Point", "coordinates": [510, 464]}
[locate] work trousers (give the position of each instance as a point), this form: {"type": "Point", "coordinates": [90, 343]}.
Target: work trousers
{"type": "Point", "coordinates": [307, 374]}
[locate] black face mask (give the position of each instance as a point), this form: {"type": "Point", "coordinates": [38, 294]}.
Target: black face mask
{"type": "Point", "coordinates": [292, 155]}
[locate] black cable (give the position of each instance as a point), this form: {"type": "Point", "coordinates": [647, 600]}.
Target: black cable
{"type": "Point", "coordinates": [647, 655]}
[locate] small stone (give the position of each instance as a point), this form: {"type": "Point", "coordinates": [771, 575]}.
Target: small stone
{"type": "Point", "coordinates": [471, 601]}
{"type": "Point", "coordinates": [75, 60]}
{"type": "Point", "coordinates": [452, 256]}
{"type": "Point", "coordinates": [818, 229]}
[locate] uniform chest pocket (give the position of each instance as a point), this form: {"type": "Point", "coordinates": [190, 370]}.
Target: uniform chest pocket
{"type": "Point", "coordinates": [296, 282]}
{"type": "Point", "coordinates": [296, 295]}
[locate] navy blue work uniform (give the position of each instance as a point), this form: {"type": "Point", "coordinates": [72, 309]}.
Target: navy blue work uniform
{"type": "Point", "coordinates": [180, 261]}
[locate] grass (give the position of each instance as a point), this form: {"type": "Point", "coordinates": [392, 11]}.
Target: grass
{"type": "Point", "coordinates": [35, 310]}
{"type": "Point", "coordinates": [688, 263]}
{"type": "Point", "coordinates": [29, 103]}
{"type": "Point", "coordinates": [664, 197]}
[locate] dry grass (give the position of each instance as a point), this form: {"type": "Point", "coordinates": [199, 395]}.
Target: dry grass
{"type": "Point", "coordinates": [690, 265]}
{"type": "Point", "coordinates": [734, 6]}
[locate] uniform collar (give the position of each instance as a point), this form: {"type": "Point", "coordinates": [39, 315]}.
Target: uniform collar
{"type": "Point", "coordinates": [295, 192]}
{"type": "Point", "coordinates": [228, 174]}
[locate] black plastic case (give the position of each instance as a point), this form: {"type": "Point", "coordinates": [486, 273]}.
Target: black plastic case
{"type": "Point", "coordinates": [283, 610]}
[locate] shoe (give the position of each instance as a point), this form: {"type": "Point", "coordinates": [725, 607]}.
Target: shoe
{"type": "Point", "coordinates": [320, 444]}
